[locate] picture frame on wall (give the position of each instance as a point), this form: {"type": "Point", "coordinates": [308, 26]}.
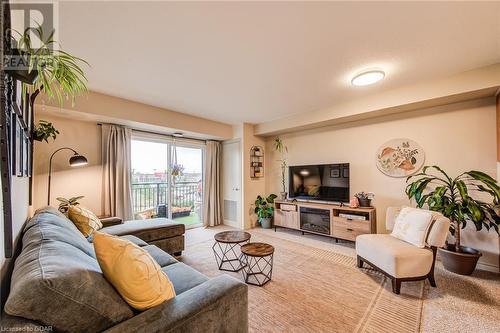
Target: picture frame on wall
{"type": "Point", "coordinates": [335, 173]}
{"type": "Point", "coordinates": [18, 101]}
{"type": "Point", "coordinates": [345, 172]}
{"type": "Point", "coordinates": [27, 113]}
{"type": "Point", "coordinates": [19, 148]}
{"type": "Point", "coordinates": [26, 157]}
{"type": "Point", "coordinates": [13, 146]}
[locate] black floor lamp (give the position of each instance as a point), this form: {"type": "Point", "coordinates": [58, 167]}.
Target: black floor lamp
{"type": "Point", "coordinates": [74, 161]}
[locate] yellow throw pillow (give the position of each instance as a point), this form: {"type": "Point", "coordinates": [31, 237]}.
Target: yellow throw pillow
{"type": "Point", "coordinates": [86, 221]}
{"type": "Point", "coordinates": [132, 271]}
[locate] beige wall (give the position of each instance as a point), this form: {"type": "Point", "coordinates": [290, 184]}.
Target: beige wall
{"type": "Point", "coordinates": [85, 138]}
{"type": "Point", "coordinates": [251, 187]}
{"type": "Point", "coordinates": [498, 128]}
{"type": "Point", "coordinates": [457, 137]}
{"type": "Point", "coordinates": [106, 108]}
{"type": "Point", "coordinates": [20, 210]}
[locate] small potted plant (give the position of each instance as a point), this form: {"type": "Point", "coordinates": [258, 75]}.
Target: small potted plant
{"type": "Point", "coordinates": [65, 203]}
{"type": "Point", "coordinates": [453, 197]}
{"type": "Point", "coordinates": [280, 147]}
{"type": "Point", "coordinates": [264, 208]}
{"type": "Point", "coordinates": [364, 198]}
{"type": "Point", "coordinates": [44, 131]}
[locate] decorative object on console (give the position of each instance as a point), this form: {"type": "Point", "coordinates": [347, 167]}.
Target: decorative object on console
{"type": "Point", "coordinates": [74, 161]}
{"type": "Point", "coordinates": [282, 149]}
{"type": "Point", "coordinates": [364, 199]}
{"type": "Point", "coordinates": [264, 208]}
{"type": "Point", "coordinates": [354, 202]}
{"type": "Point", "coordinates": [66, 203]}
{"type": "Point", "coordinates": [400, 158]}
{"type": "Point", "coordinates": [256, 162]}
{"type": "Point", "coordinates": [452, 198]}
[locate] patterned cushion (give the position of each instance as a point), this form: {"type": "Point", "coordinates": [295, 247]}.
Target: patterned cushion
{"type": "Point", "coordinates": [412, 226]}
{"type": "Point", "coordinates": [84, 219]}
{"type": "Point", "coordinates": [132, 271]}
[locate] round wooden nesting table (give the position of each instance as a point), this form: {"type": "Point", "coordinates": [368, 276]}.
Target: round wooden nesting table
{"type": "Point", "coordinates": [258, 261]}
{"type": "Point", "coordinates": [227, 249]}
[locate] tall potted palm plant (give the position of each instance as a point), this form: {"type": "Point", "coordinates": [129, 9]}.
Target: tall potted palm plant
{"type": "Point", "coordinates": [48, 69]}
{"type": "Point", "coordinates": [282, 149]}
{"type": "Point", "coordinates": [456, 198]}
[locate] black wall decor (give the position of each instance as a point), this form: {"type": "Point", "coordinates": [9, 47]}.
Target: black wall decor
{"type": "Point", "coordinates": [16, 138]}
{"type": "Point", "coordinates": [7, 129]}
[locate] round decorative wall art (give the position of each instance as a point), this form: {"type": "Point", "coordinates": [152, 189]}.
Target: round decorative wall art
{"type": "Point", "coordinates": [400, 158]}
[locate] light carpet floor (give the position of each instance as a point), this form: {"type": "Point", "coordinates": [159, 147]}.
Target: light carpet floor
{"type": "Point", "coordinates": [316, 290]}
{"type": "Point", "coordinates": [316, 287]}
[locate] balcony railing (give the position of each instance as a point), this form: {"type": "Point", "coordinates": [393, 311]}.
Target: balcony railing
{"type": "Point", "coordinates": [146, 196]}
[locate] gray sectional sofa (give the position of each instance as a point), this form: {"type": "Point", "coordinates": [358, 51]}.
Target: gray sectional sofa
{"type": "Point", "coordinates": [57, 282]}
{"type": "Point", "coordinates": [162, 232]}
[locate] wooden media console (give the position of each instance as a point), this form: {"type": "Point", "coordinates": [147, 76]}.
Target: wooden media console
{"type": "Point", "coordinates": [339, 222]}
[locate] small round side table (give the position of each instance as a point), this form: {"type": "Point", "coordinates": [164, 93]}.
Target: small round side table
{"type": "Point", "coordinates": [258, 259]}
{"type": "Point", "coordinates": [227, 249]}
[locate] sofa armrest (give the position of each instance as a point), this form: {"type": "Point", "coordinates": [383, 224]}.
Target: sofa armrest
{"type": "Point", "coordinates": [217, 305]}
{"type": "Point", "coordinates": [109, 221]}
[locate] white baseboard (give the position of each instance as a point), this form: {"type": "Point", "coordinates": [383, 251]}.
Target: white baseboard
{"type": "Point", "coordinates": [488, 267]}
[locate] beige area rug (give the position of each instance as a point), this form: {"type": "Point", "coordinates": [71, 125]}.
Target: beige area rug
{"type": "Point", "coordinates": [317, 290]}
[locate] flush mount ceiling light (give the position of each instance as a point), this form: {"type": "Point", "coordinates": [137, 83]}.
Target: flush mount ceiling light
{"type": "Point", "coordinates": [367, 78]}
{"type": "Point", "coordinates": [178, 134]}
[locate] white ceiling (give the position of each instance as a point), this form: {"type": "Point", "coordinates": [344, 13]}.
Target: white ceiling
{"type": "Point", "coordinates": [253, 62]}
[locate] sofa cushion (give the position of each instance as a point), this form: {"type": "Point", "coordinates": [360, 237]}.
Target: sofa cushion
{"type": "Point", "coordinates": [137, 241]}
{"type": "Point", "coordinates": [183, 277]}
{"type": "Point", "coordinates": [412, 226]}
{"type": "Point", "coordinates": [56, 226]}
{"type": "Point", "coordinates": [147, 230]}
{"type": "Point", "coordinates": [162, 258]}
{"type": "Point", "coordinates": [132, 271]}
{"type": "Point", "coordinates": [394, 256]}
{"type": "Point", "coordinates": [58, 282]}
{"type": "Point", "coordinates": [84, 219]}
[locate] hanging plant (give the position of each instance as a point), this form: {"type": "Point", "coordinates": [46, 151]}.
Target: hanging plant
{"type": "Point", "coordinates": [177, 170]}
{"type": "Point", "coordinates": [44, 131]}
{"type": "Point", "coordinates": [53, 71]}
{"type": "Point", "coordinates": [49, 70]}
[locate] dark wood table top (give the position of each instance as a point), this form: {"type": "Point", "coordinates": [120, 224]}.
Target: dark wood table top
{"type": "Point", "coordinates": [257, 249]}
{"type": "Point", "coordinates": [232, 236]}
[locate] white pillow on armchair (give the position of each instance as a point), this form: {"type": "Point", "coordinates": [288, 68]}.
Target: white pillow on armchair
{"type": "Point", "coordinates": [412, 226]}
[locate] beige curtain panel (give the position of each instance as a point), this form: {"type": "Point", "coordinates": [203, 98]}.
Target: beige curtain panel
{"type": "Point", "coordinates": [116, 164]}
{"type": "Point", "coordinates": [212, 201]}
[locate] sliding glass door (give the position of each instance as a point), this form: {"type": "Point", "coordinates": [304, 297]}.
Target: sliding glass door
{"type": "Point", "coordinates": [167, 180]}
{"type": "Point", "coordinates": [187, 187]}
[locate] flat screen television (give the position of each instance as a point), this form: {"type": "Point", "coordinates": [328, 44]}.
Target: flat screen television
{"type": "Point", "coordinates": [322, 182]}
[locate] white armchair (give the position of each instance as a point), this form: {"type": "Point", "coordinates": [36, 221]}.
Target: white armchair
{"type": "Point", "coordinates": [398, 260]}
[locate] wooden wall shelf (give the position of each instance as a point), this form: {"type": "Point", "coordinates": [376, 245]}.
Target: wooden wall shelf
{"type": "Point", "coordinates": [339, 222]}
{"type": "Point", "coordinates": [256, 162]}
